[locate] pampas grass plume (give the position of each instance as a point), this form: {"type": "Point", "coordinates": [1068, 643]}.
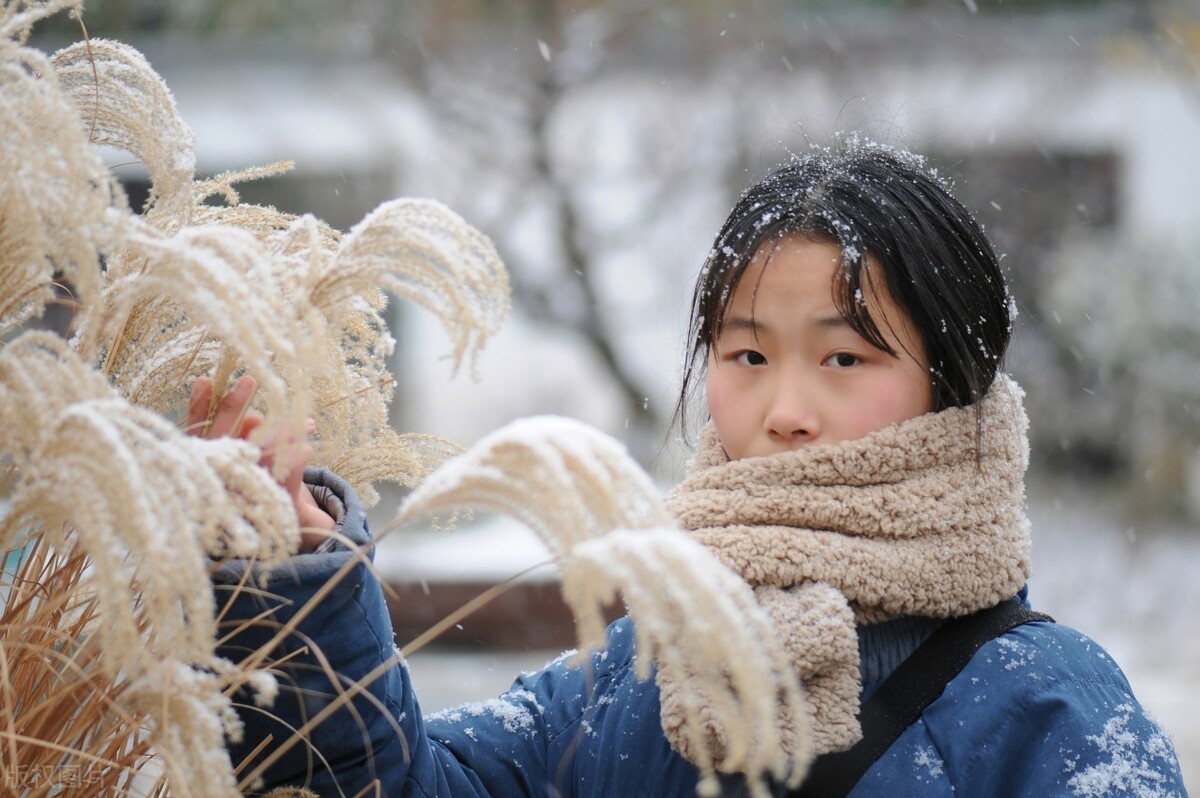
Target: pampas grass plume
{"type": "Point", "coordinates": [696, 621]}
{"type": "Point", "coordinates": [113, 516]}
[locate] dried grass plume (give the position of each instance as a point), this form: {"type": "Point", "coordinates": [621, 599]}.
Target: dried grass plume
{"type": "Point", "coordinates": [110, 515]}
{"type": "Point", "coordinates": [696, 620]}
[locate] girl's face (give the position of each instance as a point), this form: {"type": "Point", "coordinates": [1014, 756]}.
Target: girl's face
{"type": "Point", "coordinates": [787, 370]}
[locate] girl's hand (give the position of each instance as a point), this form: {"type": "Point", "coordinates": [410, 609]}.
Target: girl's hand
{"type": "Point", "coordinates": [234, 418]}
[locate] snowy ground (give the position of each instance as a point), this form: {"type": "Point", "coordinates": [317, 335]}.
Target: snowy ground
{"type": "Point", "coordinates": [1133, 587]}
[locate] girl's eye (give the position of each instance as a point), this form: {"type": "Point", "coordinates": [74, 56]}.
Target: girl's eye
{"type": "Point", "coordinates": [842, 360]}
{"type": "Point", "coordinates": [750, 358]}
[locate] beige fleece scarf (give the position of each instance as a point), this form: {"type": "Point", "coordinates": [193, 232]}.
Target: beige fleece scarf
{"type": "Point", "coordinates": [910, 520]}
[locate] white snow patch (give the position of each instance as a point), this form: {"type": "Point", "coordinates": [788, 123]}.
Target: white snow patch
{"type": "Point", "coordinates": [1130, 769]}
{"type": "Point", "coordinates": [928, 762]}
{"type": "Point", "coordinates": [1015, 652]}
{"type": "Point", "coordinates": [513, 717]}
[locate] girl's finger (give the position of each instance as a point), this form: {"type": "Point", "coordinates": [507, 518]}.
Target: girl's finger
{"type": "Point", "coordinates": [231, 412]}
{"type": "Point", "coordinates": [252, 422]}
{"type": "Point", "coordinates": [197, 411]}
{"type": "Point", "coordinates": [296, 460]}
{"type": "Point", "coordinates": [277, 439]}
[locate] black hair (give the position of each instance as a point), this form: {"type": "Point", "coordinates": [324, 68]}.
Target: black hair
{"type": "Point", "coordinates": [890, 216]}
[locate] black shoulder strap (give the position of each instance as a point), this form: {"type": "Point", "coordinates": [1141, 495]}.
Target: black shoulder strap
{"type": "Point", "coordinates": [905, 694]}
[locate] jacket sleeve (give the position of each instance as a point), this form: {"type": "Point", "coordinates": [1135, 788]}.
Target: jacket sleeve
{"type": "Point", "coordinates": [345, 721]}
{"type": "Point", "coordinates": [577, 727]}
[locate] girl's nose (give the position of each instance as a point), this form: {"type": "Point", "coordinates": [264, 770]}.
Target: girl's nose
{"type": "Point", "coordinates": [791, 418]}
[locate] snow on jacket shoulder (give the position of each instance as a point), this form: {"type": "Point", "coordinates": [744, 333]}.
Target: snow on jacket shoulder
{"type": "Point", "coordinates": [1040, 711]}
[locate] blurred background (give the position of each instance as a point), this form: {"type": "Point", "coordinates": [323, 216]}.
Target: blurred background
{"type": "Point", "coordinates": [600, 145]}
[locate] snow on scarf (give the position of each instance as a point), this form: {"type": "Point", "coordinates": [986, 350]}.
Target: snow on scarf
{"type": "Point", "coordinates": [923, 518]}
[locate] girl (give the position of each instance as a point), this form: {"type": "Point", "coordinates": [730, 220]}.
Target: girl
{"type": "Point", "coordinates": [862, 470]}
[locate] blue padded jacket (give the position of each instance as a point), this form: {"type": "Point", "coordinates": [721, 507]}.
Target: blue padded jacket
{"type": "Point", "coordinates": [1040, 711]}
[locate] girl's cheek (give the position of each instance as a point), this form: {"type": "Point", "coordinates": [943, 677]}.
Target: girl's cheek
{"type": "Point", "coordinates": [889, 407]}
{"type": "Point", "coordinates": [722, 397]}
{"type": "Point", "coordinates": [713, 393]}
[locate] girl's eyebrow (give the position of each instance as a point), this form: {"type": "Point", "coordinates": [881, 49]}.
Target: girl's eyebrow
{"type": "Point", "coordinates": [832, 320]}
{"type": "Point", "coordinates": [741, 323]}
{"type": "Point", "coordinates": [732, 323]}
